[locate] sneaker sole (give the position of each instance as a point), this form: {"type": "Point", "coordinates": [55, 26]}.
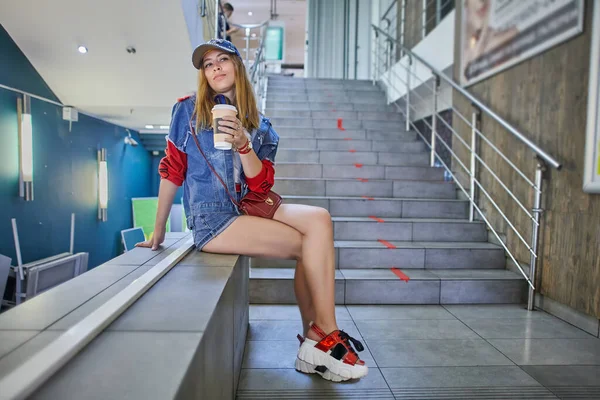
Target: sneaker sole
{"type": "Point", "coordinates": [303, 366]}
{"type": "Point", "coordinates": [318, 358]}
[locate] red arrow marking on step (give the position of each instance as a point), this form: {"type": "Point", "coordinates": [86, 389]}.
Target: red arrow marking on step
{"type": "Point", "coordinates": [400, 275]}
{"type": "Point", "coordinates": [340, 122]}
{"type": "Point", "coordinates": [358, 165]}
{"type": "Point", "coordinates": [362, 179]}
{"type": "Point", "coordinates": [387, 244]}
{"type": "Point", "coordinates": [376, 219]}
{"type": "Point", "coordinates": [347, 138]}
{"type": "Point", "coordinates": [367, 197]}
{"type": "Point", "coordinates": [352, 151]}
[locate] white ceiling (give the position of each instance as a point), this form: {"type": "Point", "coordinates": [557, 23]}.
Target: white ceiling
{"type": "Point", "coordinates": [128, 90]}
{"type": "Point", "coordinates": [109, 83]}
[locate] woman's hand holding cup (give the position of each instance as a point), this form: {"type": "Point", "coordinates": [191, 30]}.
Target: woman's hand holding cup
{"type": "Point", "coordinates": [234, 127]}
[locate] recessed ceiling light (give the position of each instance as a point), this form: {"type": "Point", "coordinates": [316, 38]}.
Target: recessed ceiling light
{"type": "Point", "coordinates": [250, 13]}
{"type": "Point", "coordinates": [149, 126]}
{"type": "Point", "coordinates": [82, 49]}
{"type": "Point", "coordinates": [164, 127]}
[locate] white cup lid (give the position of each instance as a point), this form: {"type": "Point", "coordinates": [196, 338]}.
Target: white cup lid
{"type": "Point", "coordinates": [224, 107]}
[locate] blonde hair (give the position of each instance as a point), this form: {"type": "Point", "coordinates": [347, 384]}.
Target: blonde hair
{"type": "Point", "coordinates": [244, 98]}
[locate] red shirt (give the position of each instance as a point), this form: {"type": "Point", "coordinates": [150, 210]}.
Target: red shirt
{"type": "Point", "coordinates": [173, 167]}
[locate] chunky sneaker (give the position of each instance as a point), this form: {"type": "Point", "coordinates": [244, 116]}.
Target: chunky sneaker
{"type": "Point", "coordinates": [303, 366]}
{"type": "Point", "coordinates": [333, 357]}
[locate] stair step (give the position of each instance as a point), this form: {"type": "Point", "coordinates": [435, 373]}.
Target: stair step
{"type": "Point", "coordinates": [412, 255]}
{"type": "Point", "coordinates": [385, 207]}
{"type": "Point", "coordinates": [334, 133]}
{"type": "Point", "coordinates": [332, 123]}
{"type": "Point", "coordinates": [370, 188]}
{"type": "Point", "coordinates": [351, 158]}
{"type": "Point", "coordinates": [365, 286]}
{"type": "Point", "coordinates": [358, 145]}
{"type": "Point", "coordinates": [324, 86]}
{"type": "Point", "coordinates": [286, 104]}
{"type": "Point", "coordinates": [364, 86]}
{"type": "Point", "coordinates": [329, 113]}
{"type": "Point", "coordinates": [355, 98]}
{"type": "Point", "coordinates": [306, 170]}
{"type": "Point", "coordinates": [276, 286]}
{"type": "Point", "coordinates": [404, 229]}
{"type": "Point", "coordinates": [332, 91]}
{"type": "Point", "coordinates": [320, 81]}
{"type": "Point", "coordinates": [391, 145]}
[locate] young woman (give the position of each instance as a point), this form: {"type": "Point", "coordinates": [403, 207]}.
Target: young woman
{"type": "Point", "coordinates": [299, 232]}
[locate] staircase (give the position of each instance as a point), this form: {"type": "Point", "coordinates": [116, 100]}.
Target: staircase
{"type": "Point", "coordinates": [401, 234]}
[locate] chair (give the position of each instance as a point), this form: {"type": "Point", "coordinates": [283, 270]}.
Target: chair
{"type": "Point", "coordinates": [4, 272]}
{"type": "Point", "coordinates": [132, 236]}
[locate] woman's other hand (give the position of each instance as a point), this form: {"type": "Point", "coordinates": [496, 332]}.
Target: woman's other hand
{"type": "Point", "coordinates": [154, 242]}
{"type": "Point", "coordinates": [234, 127]}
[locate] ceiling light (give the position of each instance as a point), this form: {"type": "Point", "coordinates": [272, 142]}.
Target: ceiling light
{"type": "Point", "coordinates": [254, 35]}
{"type": "Point", "coordinates": [164, 127]}
{"type": "Point", "coordinates": [149, 126]}
{"type": "Point", "coordinates": [250, 13]}
{"type": "Point", "coordinates": [82, 49]}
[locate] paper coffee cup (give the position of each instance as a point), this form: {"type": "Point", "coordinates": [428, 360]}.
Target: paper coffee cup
{"type": "Point", "coordinates": [218, 112]}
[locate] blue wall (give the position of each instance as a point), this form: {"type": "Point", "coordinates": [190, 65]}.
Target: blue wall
{"type": "Point", "coordinates": [65, 172]}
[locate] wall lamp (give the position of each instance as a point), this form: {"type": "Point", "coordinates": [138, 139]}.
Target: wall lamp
{"type": "Point", "coordinates": [25, 148]}
{"type": "Point", "coordinates": [102, 185]}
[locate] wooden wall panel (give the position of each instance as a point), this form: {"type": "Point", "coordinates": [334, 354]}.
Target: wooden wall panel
{"type": "Point", "coordinates": [544, 97]}
{"type": "Point", "coordinates": [413, 33]}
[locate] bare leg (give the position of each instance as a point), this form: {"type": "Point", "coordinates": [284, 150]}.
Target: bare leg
{"type": "Point", "coordinates": [303, 233]}
{"type": "Point", "coordinates": [303, 297]}
{"type": "Point", "coordinates": [318, 260]}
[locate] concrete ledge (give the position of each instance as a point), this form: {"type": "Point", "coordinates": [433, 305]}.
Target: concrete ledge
{"type": "Point", "coordinates": [184, 338]}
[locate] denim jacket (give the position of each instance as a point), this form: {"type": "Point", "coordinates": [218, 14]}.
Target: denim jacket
{"type": "Point", "coordinates": [203, 192]}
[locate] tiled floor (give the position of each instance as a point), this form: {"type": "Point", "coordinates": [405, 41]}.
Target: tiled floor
{"type": "Point", "coordinates": [429, 352]}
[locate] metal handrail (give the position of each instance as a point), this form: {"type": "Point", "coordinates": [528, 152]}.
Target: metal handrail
{"type": "Point", "coordinates": [479, 183]}
{"type": "Point", "coordinates": [551, 161]}
{"type": "Point", "coordinates": [470, 197]}
{"type": "Point", "coordinates": [383, 61]}
{"type": "Point", "coordinates": [257, 72]}
{"type": "Point", "coordinates": [389, 9]}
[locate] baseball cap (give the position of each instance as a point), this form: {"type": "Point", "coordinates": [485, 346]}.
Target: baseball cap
{"type": "Point", "coordinates": [213, 44]}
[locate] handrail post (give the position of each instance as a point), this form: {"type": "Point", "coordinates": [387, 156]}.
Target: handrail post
{"type": "Point", "coordinates": [537, 213]}
{"type": "Point", "coordinates": [436, 85]}
{"type": "Point", "coordinates": [203, 8]}
{"type": "Point", "coordinates": [402, 26]}
{"type": "Point", "coordinates": [248, 48]}
{"type": "Point", "coordinates": [424, 20]}
{"type": "Point", "coordinates": [475, 120]}
{"type": "Point", "coordinates": [217, 19]}
{"type": "Point", "coordinates": [408, 93]}
{"type": "Point", "coordinates": [376, 59]}
{"type": "Point", "coordinates": [389, 49]}
{"type": "Point", "coordinates": [386, 46]}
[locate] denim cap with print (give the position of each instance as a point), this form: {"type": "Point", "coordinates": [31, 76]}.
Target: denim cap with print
{"type": "Point", "coordinates": [213, 44]}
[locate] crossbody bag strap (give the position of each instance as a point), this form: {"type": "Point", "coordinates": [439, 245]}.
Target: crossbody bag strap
{"type": "Point", "coordinates": [210, 166]}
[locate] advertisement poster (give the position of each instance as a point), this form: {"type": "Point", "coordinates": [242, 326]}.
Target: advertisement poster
{"type": "Point", "coordinates": [591, 172]}
{"type": "Point", "coordinates": [497, 34]}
